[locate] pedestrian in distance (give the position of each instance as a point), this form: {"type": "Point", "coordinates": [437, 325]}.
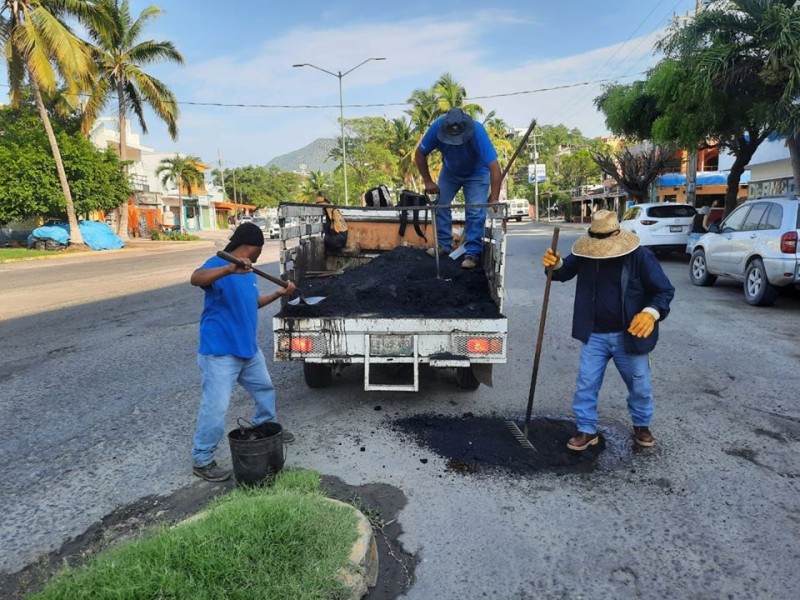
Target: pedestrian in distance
{"type": "Point", "coordinates": [229, 351]}
{"type": "Point", "coordinates": [469, 163]}
{"type": "Point", "coordinates": [698, 228]}
{"type": "Point", "coordinates": [621, 294]}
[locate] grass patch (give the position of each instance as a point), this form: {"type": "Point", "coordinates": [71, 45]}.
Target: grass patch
{"type": "Point", "coordinates": [9, 254]}
{"type": "Point", "coordinates": [284, 541]}
{"type": "Point", "coordinates": [172, 236]}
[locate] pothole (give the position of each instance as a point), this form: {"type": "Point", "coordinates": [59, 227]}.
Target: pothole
{"type": "Point", "coordinates": [473, 444]}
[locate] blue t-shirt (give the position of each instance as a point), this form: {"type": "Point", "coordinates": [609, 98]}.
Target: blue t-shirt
{"type": "Point", "coordinates": [229, 321]}
{"type": "Point", "coordinates": [471, 158]}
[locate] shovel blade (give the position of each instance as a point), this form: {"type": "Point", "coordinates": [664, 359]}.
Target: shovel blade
{"type": "Point", "coordinates": [311, 300]}
{"type": "Point", "coordinates": [458, 252]}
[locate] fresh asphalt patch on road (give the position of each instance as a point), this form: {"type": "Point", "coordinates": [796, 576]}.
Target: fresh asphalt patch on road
{"type": "Point", "coordinates": [475, 444]}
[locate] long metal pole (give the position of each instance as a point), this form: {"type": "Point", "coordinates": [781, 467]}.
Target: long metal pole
{"type": "Point", "coordinates": [536, 176]}
{"type": "Point", "coordinates": [344, 148]}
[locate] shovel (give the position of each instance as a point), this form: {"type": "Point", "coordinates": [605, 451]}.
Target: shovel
{"type": "Point", "coordinates": [311, 300]}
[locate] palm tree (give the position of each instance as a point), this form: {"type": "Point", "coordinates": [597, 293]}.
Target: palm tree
{"type": "Point", "coordinates": [183, 172]}
{"type": "Point", "coordinates": [120, 57]}
{"type": "Point", "coordinates": [451, 94]}
{"type": "Point", "coordinates": [40, 47]}
{"type": "Point", "coordinates": [402, 145]}
{"type": "Point", "coordinates": [424, 109]}
{"type": "Point", "coordinates": [315, 185]}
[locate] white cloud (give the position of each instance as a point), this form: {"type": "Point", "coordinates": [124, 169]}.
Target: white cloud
{"type": "Point", "coordinates": [417, 52]}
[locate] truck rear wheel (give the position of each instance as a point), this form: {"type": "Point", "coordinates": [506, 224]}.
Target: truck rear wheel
{"type": "Point", "coordinates": [465, 379]}
{"type": "Point", "coordinates": [317, 375]}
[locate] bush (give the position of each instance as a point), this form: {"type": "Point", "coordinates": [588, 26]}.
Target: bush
{"type": "Point", "coordinates": [172, 236]}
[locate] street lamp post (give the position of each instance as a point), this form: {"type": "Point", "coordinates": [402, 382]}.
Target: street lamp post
{"type": "Point", "coordinates": [339, 75]}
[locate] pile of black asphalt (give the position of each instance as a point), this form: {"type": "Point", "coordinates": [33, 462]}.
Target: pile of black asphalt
{"type": "Point", "coordinates": [400, 283]}
{"type": "Point", "coordinates": [482, 444]}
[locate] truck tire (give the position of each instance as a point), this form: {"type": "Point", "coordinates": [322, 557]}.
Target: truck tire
{"type": "Point", "coordinates": [465, 379]}
{"type": "Point", "coordinates": [519, 219]}
{"type": "Point", "coordinates": [317, 375]}
{"type": "Point", "coordinates": [758, 291]}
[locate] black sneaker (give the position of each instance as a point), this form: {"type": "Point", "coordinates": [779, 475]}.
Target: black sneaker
{"type": "Point", "coordinates": [211, 472]}
{"type": "Point", "coordinates": [288, 436]}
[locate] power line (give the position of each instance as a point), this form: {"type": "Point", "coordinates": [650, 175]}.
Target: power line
{"type": "Point", "coordinates": [387, 104]}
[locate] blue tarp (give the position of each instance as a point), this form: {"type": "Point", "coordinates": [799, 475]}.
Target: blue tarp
{"type": "Point", "coordinates": [703, 178]}
{"type": "Point", "coordinates": [96, 235]}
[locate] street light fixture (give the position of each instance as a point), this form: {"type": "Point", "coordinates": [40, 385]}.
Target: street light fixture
{"type": "Point", "coordinates": [339, 75]}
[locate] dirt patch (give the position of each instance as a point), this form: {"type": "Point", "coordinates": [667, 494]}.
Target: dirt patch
{"type": "Point", "coordinates": [475, 444]}
{"type": "Point", "coordinates": [400, 283]}
{"type": "Point", "coordinates": [381, 503]}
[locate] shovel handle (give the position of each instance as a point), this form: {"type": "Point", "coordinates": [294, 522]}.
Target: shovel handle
{"type": "Point", "coordinates": [238, 262]}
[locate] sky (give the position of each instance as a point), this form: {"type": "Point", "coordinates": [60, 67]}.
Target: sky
{"type": "Point", "coordinates": [242, 52]}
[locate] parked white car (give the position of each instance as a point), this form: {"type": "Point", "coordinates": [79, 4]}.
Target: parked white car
{"type": "Point", "coordinates": [661, 226]}
{"type": "Point", "coordinates": [274, 230]}
{"type": "Point", "coordinates": [757, 245]}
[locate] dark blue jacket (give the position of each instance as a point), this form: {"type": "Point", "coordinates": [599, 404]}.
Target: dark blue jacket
{"type": "Point", "coordinates": [644, 284]}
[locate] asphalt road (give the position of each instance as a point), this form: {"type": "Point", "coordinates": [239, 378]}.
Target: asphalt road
{"type": "Point", "coordinates": [99, 388]}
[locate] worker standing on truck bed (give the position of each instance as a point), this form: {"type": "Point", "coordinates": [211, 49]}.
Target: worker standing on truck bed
{"type": "Point", "coordinates": [621, 294]}
{"type": "Point", "coordinates": [229, 352]}
{"type": "Point", "coordinates": [469, 162]}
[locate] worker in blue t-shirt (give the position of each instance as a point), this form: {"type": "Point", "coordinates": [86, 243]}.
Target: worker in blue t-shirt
{"type": "Point", "coordinates": [229, 352]}
{"type": "Point", "coordinates": [469, 163]}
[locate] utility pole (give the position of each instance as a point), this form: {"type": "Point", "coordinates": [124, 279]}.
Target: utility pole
{"type": "Point", "coordinates": [691, 162]}
{"type": "Point", "coordinates": [536, 175]}
{"type": "Point", "coordinates": [222, 174]}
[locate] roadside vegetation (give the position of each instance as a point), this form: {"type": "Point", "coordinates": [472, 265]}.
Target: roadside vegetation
{"type": "Point", "coordinates": [283, 541]}
{"type": "Point", "coordinates": [12, 254]}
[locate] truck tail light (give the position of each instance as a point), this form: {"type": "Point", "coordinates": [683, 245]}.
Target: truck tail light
{"type": "Point", "coordinates": [302, 344]}
{"type": "Point", "coordinates": [484, 345]}
{"type": "Point", "coordinates": [789, 242]}
{"type": "Point", "coordinates": [647, 222]}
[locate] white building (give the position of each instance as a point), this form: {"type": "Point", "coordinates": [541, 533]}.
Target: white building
{"type": "Point", "coordinates": [771, 170]}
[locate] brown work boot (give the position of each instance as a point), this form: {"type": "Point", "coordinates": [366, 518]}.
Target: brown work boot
{"type": "Point", "coordinates": [643, 437]}
{"type": "Point", "coordinates": [582, 441]}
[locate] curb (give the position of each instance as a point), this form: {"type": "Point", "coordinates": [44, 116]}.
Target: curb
{"type": "Point", "coordinates": [362, 572]}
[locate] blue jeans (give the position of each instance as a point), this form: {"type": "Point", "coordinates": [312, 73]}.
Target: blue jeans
{"type": "Point", "coordinates": [635, 372]}
{"type": "Point", "coordinates": [219, 373]}
{"type": "Point", "coordinates": [476, 191]}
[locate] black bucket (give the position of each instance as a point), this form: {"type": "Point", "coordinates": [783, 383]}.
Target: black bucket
{"type": "Point", "coordinates": [257, 452]}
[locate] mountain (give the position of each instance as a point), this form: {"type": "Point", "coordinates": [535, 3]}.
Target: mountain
{"type": "Point", "coordinates": [313, 157]}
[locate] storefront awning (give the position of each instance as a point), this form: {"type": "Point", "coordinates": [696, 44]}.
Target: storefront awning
{"type": "Point", "coordinates": [233, 206]}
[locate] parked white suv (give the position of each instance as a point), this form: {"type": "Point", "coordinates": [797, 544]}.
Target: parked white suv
{"type": "Point", "coordinates": [660, 225]}
{"type": "Point", "coordinates": [756, 244]}
{"type": "Point", "coordinates": [518, 208]}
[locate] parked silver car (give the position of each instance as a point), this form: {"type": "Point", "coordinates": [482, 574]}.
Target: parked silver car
{"type": "Point", "coordinates": [756, 244]}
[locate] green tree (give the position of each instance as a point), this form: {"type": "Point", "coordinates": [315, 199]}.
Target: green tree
{"type": "Point", "coordinates": [317, 184]}
{"type": "Point", "coordinates": [29, 182]}
{"type": "Point", "coordinates": [451, 94]}
{"type": "Point", "coordinates": [578, 169]}
{"type": "Point", "coordinates": [120, 57]}
{"type": "Point", "coordinates": [184, 172]}
{"type": "Point", "coordinates": [39, 46]}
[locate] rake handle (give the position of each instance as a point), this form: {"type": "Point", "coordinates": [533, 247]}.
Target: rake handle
{"type": "Point", "coordinates": [538, 353]}
{"type": "Point", "coordinates": [239, 263]}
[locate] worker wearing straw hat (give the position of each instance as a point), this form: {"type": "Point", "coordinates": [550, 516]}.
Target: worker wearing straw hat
{"type": "Point", "coordinates": [620, 296]}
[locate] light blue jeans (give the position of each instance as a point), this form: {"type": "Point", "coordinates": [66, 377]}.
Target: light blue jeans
{"type": "Point", "coordinates": [476, 191]}
{"type": "Point", "coordinates": [219, 374]}
{"type": "Point", "coordinates": [635, 372]}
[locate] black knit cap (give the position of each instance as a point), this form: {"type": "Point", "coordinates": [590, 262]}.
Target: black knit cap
{"type": "Point", "coordinates": [246, 234]}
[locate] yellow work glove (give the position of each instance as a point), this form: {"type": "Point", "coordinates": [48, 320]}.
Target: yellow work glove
{"type": "Point", "coordinates": [642, 325]}
{"type": "Point", "coordinates": [550, 258]}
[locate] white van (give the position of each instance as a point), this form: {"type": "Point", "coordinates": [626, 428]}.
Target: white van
{"type": "Point", "coordinates": [518, 208]}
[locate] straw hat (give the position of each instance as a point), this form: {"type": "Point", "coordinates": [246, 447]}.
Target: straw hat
{"type": "Point", "coordinates": [605, 238]}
